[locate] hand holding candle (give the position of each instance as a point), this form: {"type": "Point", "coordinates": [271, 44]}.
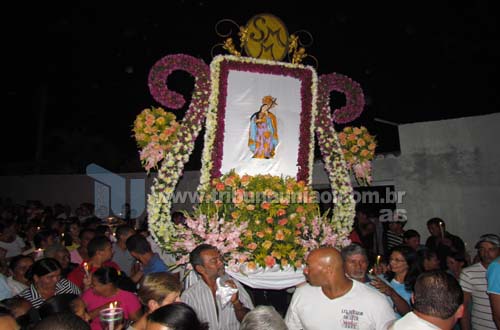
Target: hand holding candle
{"type": "Point", "coordinates": [441, 226]}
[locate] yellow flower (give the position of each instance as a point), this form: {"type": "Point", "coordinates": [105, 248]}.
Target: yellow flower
{"type": "Point", "coordinates": [267, 245]}
{"type": "Point", "coordinates": [276, 254]}
{"type": "Point", "coordinates": [160, 120]}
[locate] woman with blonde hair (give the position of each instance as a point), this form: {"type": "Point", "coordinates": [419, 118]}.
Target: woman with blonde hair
{"type": "Point", "coordinates": [157, 290]}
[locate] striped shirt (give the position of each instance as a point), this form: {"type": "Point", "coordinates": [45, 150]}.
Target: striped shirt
{"type": "Point", "coordinates": [63, 286]}
{"type": "Point", "coordinates": [200, 297]}
{"type": "Point", "coordinates": [473, 281]}
{"type": "Point", "coordinates": [393, 240]}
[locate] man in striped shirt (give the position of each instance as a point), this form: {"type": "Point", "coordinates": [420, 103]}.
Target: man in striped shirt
{"type": "Point", "coordinates": [207, 262]}
{"type": "Point", "coordinates": [474, 285]}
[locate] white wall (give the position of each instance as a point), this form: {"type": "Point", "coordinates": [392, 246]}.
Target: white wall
{"type": "Point", "coordinates": [449, 169]}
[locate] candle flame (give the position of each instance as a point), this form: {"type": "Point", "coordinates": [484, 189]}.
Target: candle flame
{"type": "Point", "coordinates": [111, 305]}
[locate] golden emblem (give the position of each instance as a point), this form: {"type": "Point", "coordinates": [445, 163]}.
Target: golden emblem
{"type": "Point", "coordinates": [266, 37]}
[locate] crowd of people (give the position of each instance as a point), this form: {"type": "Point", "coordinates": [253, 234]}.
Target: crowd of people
{"type": "Point", "coordinates": [63, 270]}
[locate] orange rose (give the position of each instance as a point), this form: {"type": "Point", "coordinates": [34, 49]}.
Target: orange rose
{"type": "Point", "coordinates": [354, 149]}
{"type": "Point", "coordinates": [270, 261]}
{"type": "Point", "coordinates": [352, 137]}
{"type": "Point", "coordinates": [280, 212]}
{"type": "Point", "coordinates": [229, 181]}
{"type": "Point", "coordinates": [251, 265]}
{"type": "Point", "coordinates": [357, 131]}
{"type": "Point", "coordinates": [220, 186]}
{"type": "Point", "coordinates": [279, 235]}
{"type": "Point", "coordinates": [245, 179]}
{"type": "Point", "coordinates": [252, 246]}
{"type": "Point", "coordinates": [372, 146]}
{"type": "Point", "coordinates": [265, 205]}
{"type": "Point", "coordinates": [342, 136]}
{"type": "Point", "coordinates": [235, 215]}
{"type": "Point", "coordinates": [361, 143]}
{"type": "Point", "coordinates": [259, 234]}
{"type": "Point", "coordinates": [270, 220]}
{"type": "Point", "coordinates": [364, 153]}
{"type": "Point", "coordinates": [283, 222]}
{"type": "Point", "coordinates": [300, 209]}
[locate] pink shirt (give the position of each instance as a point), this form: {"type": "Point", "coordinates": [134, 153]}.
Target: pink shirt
{"type": "Point", "coordinates": [75, 257]}
{"type": "Point", "coordinates": [127, 300]}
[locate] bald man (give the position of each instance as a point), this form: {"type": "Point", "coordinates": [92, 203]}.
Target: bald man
{"type": "Point", "coordinates": [330, 300]}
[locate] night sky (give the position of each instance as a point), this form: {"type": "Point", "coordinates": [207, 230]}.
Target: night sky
{"type": "Point", "coordinates": [86, 65]}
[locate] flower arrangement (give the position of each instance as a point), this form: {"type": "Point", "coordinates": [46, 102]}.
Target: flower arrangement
{"type": "Point", "coordinates": [206, 96]}
{"type": "Point", "coordinates": [219, 69]}
{"type": "Point", "coordinates": [358, 147]}
{"type": "Point", "coordinates": [260, 220]}
{"type": "Point", "coordinates": [155, 132]}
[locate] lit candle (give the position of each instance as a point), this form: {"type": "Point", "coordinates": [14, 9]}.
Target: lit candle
{"type": "Point", "coordinates": [378, 260]}
{"type": "Point", "coordinates": [86, 268]}
{"type": "Point", "coordinates": [441, 226]}
{"type": "Point", "coordinates": [38, 253]}
{"type": "Point", "coordinates": [38, 228]}
{"type": "Point", "coordinates": [62, 235]}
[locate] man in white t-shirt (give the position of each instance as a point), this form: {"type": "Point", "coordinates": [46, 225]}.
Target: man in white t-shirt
{"type": "Point", "coordinates": [437, 303]}
{"type": "Point", "coordinates": [473, 282]}
{"type": "Point", "coordinates": [330, 300]}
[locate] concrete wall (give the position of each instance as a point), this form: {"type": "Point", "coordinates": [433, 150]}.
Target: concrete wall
{"type": "Point", "coordinates": [447, 169]}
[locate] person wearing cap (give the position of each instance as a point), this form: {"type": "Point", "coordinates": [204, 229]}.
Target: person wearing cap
{"type": "Point", "coordinates": [474, 285]}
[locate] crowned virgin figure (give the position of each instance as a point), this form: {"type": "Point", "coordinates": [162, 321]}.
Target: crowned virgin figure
{"type": "Point", "coordinates": [263, 136]}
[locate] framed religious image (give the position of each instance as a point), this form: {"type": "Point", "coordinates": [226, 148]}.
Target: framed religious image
{"type": "Point", "coordinates": [261, 118]}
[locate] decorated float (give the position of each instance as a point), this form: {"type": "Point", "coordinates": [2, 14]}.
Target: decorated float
{"type": "Point", "coordinates": [263, 110]}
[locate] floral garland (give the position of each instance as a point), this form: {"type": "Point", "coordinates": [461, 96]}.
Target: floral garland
{"type": "Point", "coordinates": [358, 147]}
{"type": "Point", "coordinates": [260, 220]}
{"type": "Point", "coordinates": [355, 100]}
{"type": "Point", "coordinates": [159, 200]}
{"type": "Point", "coordinates": [335, 165]}
{"type": "Point", "coordinates": [155, 132]}
{"type": "Point", "coordinates": [219, 68]}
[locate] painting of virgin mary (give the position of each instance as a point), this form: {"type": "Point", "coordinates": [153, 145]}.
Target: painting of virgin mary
{"type": "Point", "coordinates": [263, 135]}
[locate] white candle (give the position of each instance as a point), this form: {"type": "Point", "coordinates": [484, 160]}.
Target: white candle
{"type": "Point", "coordinates": [441, 226]}
{"type": "Point", "coordinates": [378, 260]}
{"type": "Point", "coordinates": [86, 268]}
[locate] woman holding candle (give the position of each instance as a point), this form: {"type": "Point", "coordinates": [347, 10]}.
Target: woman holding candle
{"type": "Point", "coordinates": [403, 272]}
{"type": "Point", "coordinates": [104, 291]}
{"type": "Point", "coordinates": [157, 290]}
